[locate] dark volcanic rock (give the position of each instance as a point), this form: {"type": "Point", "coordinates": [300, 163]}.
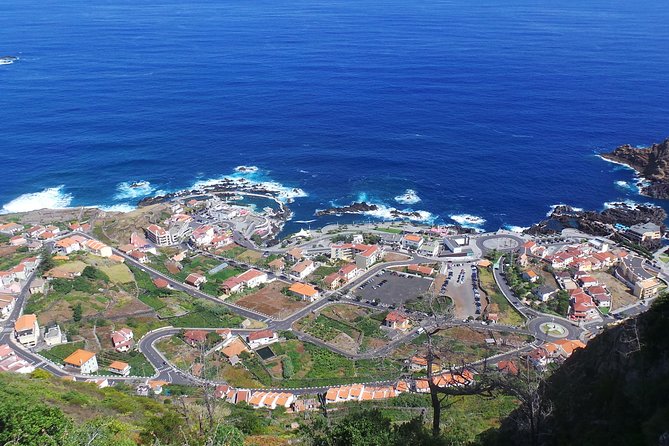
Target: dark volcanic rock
{"type": "Point", "coordinates": [652, 163]}
{"type": "Point", "coordinates": [599, 223]}
{"type": "Point", "coordinates": [361, 208]}
{"type": "Point", "coordinates": [353, 208]}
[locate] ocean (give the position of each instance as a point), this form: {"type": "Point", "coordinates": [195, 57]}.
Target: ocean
{"type": "Point", "coordinates": [489, 111]}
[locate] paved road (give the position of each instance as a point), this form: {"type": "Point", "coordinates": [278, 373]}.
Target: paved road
{"type": "Point", "coordinates": [168, 372]}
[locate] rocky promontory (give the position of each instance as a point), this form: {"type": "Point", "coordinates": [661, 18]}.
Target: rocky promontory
{"type": "Point", "coordinates": [599, 223]}
{"type": "Point", "coordinates": [652, 164]}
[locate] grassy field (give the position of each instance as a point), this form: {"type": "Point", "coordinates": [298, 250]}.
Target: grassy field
{"type": "Point", "coordinates": [118, 273]}
{"type": "Point", "coordinates": [60, 352]}
{"type": "Point", "coordinates": [498, 303]}
{"type": "Point", "coordinates": [389, 230]}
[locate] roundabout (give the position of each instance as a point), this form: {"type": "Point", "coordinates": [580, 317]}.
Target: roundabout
{"type": "Point", "coordinates": [553, 330]}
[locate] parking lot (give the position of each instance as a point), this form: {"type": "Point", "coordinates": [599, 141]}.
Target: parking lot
{"type": "Point", "coordinates": [393, 289]}
{"type": "Point", "coordinates": [461, 287]}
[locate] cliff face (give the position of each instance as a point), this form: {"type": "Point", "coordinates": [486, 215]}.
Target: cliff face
{"type": "Point", "coordinates": [614, 392]}
{"type": "Point", "coordinates": [652, 163]}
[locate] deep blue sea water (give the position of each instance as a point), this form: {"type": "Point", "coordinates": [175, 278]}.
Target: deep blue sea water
{"type": "Point", "coordinates": [493, 108]}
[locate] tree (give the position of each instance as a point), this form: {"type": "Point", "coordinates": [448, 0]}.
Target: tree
{"type": "Point", "coordinates": [31, 423]}
{"type": "Point", "coordinates": [100, 432]}
{"type": "Point", "coordinates": [166, 428]}
{"type": "Point", "coordinates": [77, 312]}
{"type": "Point", "coordinates": [227, 435]}
{"type": "Point", "coordinates": [287, 367]}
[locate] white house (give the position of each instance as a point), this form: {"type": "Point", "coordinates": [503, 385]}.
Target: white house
{"type": "Point", "coordinates": [122, 339]}
{"type": "Point", "coordinates": [82, 360]}
{"type": "Point", "coordinates": [412, 241]}
{"type": "Point", "coordinates": [302, 269]}
{"type": "Point", "coordinates": [262, 337]}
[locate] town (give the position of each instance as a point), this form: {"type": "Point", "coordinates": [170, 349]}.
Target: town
{"type": "Point", "coordinates": [197, 291]}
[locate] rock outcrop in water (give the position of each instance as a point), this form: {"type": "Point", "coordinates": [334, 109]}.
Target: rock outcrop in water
{"type": "Point", "coordinates": [362, 207]}
{"type": "Point", "coordinates": [652, 163]}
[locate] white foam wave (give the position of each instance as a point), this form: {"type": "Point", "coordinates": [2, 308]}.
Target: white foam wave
{"type": "Point", "coordinates": [129, 190]}
{"type": "Point", "coordinates": [409, 197]}
{"type": "Point", "coordinates": [249, 179]}
{"type": "Point", "coordinates": [384, 212]}
{"type": "Point", "coordinates": [630, 203]}
{"type": "Point", "coordinates": [553, 206]}
{"type": "Point", "coordinates": [468, 220]}
{"type": "Point", "coordinates": [49, 198]}
{"type": "Point", "coordinates": [626, 166]}
{"type": "Point", "coordinates": [246, 169]}
{"type": "Point", "coordinates": [518, 229]}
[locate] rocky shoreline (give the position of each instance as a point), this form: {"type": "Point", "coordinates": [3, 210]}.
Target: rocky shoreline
{"type": "Point", "coordinates": [599, 223]}
{"type": "Point", "coordinates": [651, 163]}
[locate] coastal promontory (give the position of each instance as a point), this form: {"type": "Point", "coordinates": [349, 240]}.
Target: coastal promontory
{"type": "Point", "coordinates": [652, 164]}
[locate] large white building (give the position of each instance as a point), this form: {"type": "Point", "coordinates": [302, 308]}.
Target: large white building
{"type": "Point", "coordinates": [82, 360]}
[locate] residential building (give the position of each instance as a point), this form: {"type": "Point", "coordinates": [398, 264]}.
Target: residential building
{"type": "Point", "coordinates": [412, 241]}
{"type": "Point", "coordinates": [349, 272]}
{"type": "Point", "coordinates": [302, 269]}
{"type": "Point", "coordinates": [508, 367]}
{"type": "Point", "coordinates": [83, 361]}
{"type": "Point", "coordinates": [67, 246]}
{"type": "Point", "coordinates": [139, 256]}
{"type": "Point", "coordinates": [195, 280]}
{"type": "Point", "coordinates": [54, 336]}
{"type": "Point", "coordinates": [294, 255]}
{"type": "Point", "coordinates": [7, 303]}
{"type": "Point", "coordinates": [644, 289]}
{"type": "Point", "coordinates": [123, 340]}
{"type": "Point", "coordinates": [159, 235]}
{"type": "Point", "coordinates": [203, 235]}
{"type": "Point", "coordinates": [119, 368]}
{"type": "Point", "coordinates": [430, 249]}
{"type": "Point", "coordinates": [37, 286]}
{"type": "Point", "coordinates": [304, 291]}
{"type": "Point", "coordinates": [194, 337]}
{"type": "Point", "coordinates": [234, 348]}
{"type": "Point", "coordinates": [544, 292]}
{"type": "Point", "coordinates": [18, 240]}
{"type": "Point", "coordinates": [420, 269]}
{"type": "Point", "coordinates": [9, 362]}
{"type": "Point", "coordinates": [248, 279]}
{"type": "Point", "coordinates": [367, 257]}
{"type": "Point", "coordinates": [26, 330]}
{"type": "Point", "coordinates": [98, 248]}
{"type": "Point", "coordinates": [10, 228]}
{"type": "Point", "coordinates": [262, 337]}
{"type": "Point", "coordinates": [530, 275]}
{"type": "Point", "coordinates": [277, 265]}
{"type": "Point", "coordinates": [159, 282]}
{"type": "Point", "coordinates": [333, 281]}
{"type": "Point", "coordinates": [581, 306]}
{"type": "Point", "coordinates": [397, 321]}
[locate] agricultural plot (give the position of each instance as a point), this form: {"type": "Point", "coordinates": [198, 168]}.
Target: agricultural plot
{"type": "Point", "coordinates": [272, 301]}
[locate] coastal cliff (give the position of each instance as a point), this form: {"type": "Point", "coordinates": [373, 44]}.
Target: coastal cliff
{"type": "Point", "coordinates": [611, 393]}
{"type": "Point", "coordinates": [652, 164]}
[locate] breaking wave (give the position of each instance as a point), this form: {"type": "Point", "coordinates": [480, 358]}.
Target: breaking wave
{"type": "Point", "coordinates": [49, 198]}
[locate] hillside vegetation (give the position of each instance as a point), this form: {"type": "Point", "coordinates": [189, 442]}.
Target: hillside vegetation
{"type": "Point", "coordinates": [614, 392]}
